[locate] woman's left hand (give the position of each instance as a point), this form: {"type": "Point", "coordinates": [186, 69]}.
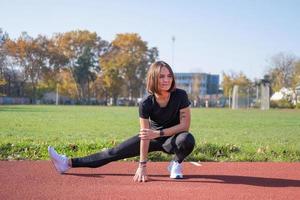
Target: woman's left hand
{"type": "Point", "coordinates": [141, 174]}
{"type": "Point", "coordinates": [148, 134]}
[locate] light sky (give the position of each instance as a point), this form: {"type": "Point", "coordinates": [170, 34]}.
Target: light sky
{"type": "Point", "coordinates": [211, 36]}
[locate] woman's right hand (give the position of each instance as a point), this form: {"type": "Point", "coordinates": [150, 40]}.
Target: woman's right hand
{"type": "Point", "coordinates": [141, 174]}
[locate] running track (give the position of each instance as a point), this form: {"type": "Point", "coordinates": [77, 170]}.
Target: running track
{"type": "Point", "coordinates": [39, 180]}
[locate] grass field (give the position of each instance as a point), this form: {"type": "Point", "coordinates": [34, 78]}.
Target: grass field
{"type": "Point", "coordinates": [221, 134]}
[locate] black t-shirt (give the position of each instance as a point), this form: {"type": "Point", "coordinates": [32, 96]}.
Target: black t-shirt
{"type": "Point", "coordinates": [164, 117]}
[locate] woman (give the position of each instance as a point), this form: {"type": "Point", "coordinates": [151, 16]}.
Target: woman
{"type": "Point", "coordinates": [164, 125]}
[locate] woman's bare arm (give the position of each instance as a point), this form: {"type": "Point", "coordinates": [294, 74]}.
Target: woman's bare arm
{"type": "Point", "coordinates": [144, 146]}
{"type": "Point", "coordinates": [141, 172]}
{"type": "Point", "coordinates": [184, 125]}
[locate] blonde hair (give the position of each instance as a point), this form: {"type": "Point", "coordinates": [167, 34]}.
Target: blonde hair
{"type": "Point", "coordinates": [153, 76]}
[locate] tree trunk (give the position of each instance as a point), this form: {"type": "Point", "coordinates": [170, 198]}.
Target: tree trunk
{"type": "Point", "coordinates": [115, 98]}
{"type": "Point", "coordinates": [88, 92]}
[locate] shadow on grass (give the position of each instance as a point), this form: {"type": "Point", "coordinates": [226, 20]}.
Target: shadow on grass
{"type": "Point", "coordinates": [216, 179]}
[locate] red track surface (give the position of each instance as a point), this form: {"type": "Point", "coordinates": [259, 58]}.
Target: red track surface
{"type": "Point", "coordinates": [39, 180]}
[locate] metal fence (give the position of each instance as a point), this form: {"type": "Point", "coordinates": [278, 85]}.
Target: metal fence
{"type": "Point", "coordinates": [14, 100]}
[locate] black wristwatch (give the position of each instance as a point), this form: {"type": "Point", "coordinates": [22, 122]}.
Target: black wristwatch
{"type": "Point", "coordinates": [161, 133]}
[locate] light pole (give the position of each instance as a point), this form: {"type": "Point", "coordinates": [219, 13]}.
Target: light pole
{"type": "Point", "coordinates": [173, 49]}
{"type": "Point", "coordinates": [57, 87]}
{"type": "Point", "coordinates": [56, 99]}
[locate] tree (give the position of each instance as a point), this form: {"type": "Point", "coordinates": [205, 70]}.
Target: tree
{"type": "Point", "coordinates": [73, 44]}
{"type": "Point", "coordinates": [30, 56]}
{"type": "Point", "coordinates": [229, 80]}
{"type": "Point", "coordinates": [281, 71]}
{"type": "Point", "coordinates": [85, 71]}
{"type": "Point", "coordinates": [196, 84]}
{"type": "Point", "coordinates": [127, 61]}
{"type": "Point", "coordinates": [296, 74]}
{"type": "Point", "coordinates": [67, 85]}
{"type": "Point", "coordinates": [241, 80]}
{"type": "Point", "coordinates": [98, 89]}
{"type": "Point", "coordinates": [112, 77]}
{"type": "Point", "coordinates": [51, 77]}
{"type": "Point", "coordinates": [131, 52]}
{"type": "Point", "coordinates": [227, 84]}
{"type": "Point", "coordinates": [3, 61]}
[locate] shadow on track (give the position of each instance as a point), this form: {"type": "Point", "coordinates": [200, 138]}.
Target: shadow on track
{"type": "Point", "coordinates": [220, 179]}
{"type": "Point", "coordinates": [245, 180]}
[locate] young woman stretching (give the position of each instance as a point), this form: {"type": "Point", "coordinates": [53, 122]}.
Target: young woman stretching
{"type": "Point", "coordinates": [164, 126]}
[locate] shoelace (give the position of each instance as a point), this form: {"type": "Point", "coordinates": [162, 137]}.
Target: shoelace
{"type": "Point", "coordinates": [179, 166]}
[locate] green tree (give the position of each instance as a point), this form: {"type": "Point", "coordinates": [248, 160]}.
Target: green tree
{"type": "Point", "coordinates": [85, 71]}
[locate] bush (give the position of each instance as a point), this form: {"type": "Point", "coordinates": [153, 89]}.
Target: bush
{"type": "Point", "coordinates": [283, 103]}
{"type": "Point", "coordinates": [298, 105]}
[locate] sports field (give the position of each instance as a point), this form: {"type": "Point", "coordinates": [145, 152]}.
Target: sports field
{"type": "Point", "coordinates": [221, 134]}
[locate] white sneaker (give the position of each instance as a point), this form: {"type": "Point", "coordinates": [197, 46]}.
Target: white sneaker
{"type": "Point", "coordinates": [175, 170]}
{"type": "Point", "coordinates": [60, 161]}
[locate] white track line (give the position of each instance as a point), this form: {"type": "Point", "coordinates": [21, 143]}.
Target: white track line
{"type": "Point", "coordinates": [196, 164]}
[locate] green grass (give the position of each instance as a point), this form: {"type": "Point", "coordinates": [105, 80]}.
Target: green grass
{"type": "Point", "coordinates": [221, 134]}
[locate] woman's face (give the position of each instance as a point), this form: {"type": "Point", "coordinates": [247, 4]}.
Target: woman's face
{"type": "Point", "coordinates": [165, 79]}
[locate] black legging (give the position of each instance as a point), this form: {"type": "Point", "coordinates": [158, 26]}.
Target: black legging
{"type": "Point", "coordinates": [181, 145]}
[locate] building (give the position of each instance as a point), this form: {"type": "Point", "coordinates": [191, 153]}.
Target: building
{"type": "Point", "coordinates": [202, 88]}
{"type": "Point", "coordinates": [198, 83]}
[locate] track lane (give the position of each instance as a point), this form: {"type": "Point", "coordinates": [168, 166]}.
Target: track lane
{"type": "Point", "coordinates": [228, 180]}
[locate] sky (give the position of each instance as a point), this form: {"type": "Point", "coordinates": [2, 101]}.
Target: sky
{"type": "Point", "coordinates": [211, 36]}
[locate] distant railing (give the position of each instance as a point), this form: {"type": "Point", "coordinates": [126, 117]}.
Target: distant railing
{"type": "Point", "coordinates": [14, 100]}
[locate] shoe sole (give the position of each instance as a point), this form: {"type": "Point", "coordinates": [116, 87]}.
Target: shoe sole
{"type": "Point", "coordinates": [177, 177]}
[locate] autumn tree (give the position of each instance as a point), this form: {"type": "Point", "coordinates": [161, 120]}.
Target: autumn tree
{"type": "Point", "coordinates": [240, 79]}
{"type": "Point", "coordinates": [126, 64]}
{"type": "Point", "coordinates": [67, 85]}
{"type": "Point", "coordinates": [112, 76]}
{"type": "Point", "coordinates": [3, 38]}
{"type": "Point", "coordinates": [296, 74]}
{"type": "Point", "coordinates": [73, 44]}
{"type": "Point", "coordinates": [57, 61]}
{"type": "Point", "coordinates": [227, 84]}
{"type": "Point", "coordinates": [30, 55]}
{"type": "Point", "coordinates": [98, 89]}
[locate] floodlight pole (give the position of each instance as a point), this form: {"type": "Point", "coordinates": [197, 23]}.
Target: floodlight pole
{"type": "Point", "coordinates": [57, 95]}
{"type": "Point", "coordinates": [173, 49]}
{"type": "Point", "coordinates": [57, 88]}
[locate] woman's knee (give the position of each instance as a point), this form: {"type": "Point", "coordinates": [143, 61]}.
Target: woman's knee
{"type": "Point", "coordinates": [186, 140]}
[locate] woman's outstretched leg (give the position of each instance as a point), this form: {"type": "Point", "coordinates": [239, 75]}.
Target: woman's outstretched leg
{"type": "Point", "coordinates": [127, 149]}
